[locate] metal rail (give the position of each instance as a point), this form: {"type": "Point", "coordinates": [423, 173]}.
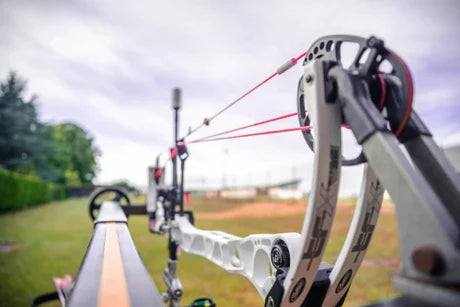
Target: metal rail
{"type": "Point", "coordinates": [112, 272]}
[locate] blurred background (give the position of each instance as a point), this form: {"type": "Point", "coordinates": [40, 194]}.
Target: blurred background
{"type": "Point", "coordinates": [109, 68]}
{"type": "Point", "coordinates": [85, 100]}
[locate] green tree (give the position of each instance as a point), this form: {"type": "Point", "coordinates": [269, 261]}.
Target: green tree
{"type": "Point", "coordinates": [64, 153]}
{"type": "Point", "coordinates": [53, 161]}
{"type": "Point", "coordinates": [122, 183]}
{"type": "Point", "coordinates": [76, 144]}
{"type": "Point", "coordinates": [18, 126]}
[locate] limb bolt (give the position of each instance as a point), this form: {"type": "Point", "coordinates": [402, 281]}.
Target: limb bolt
{"type": "Point", "coordinates": [428, 260]}
{"type": "Point", "coordinates": [280, 254]}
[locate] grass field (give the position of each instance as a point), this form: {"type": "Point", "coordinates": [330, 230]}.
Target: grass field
{"type": "Point", "coordinates": [51, 241]}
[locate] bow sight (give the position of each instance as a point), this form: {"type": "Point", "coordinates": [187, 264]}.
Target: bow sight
{"type": "Point", "coordinates": [286, 268]}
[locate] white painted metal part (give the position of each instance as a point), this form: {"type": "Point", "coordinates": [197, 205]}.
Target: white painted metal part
{"type": "Point", "coordinates": [326, 122]}
{"type": "Point", "coordinates": [249, 256]}
{"type": "Point", "coordinates": [160, 221]}
{"type": "Point", "coordinates": [151, 190]}
{"type": "Point", "coordinates": [154, 206]}
{"type": "Point", "coordinates": [358, 237]}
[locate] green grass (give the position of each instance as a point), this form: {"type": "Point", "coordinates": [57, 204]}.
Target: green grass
{"type": "Point", "coordinates": [54, 238]}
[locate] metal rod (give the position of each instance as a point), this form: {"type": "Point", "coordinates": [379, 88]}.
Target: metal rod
{"type": "Point", "coordinates": [176, 104]}
{"type": "Point", "coordinates": [175, 187]}
{"type": "Point", "coordinates": [182, 167]}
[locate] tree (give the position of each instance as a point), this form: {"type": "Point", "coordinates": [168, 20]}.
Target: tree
{"type": "Point", "coordinates": [63, 153]}
{"type": "Point", "coordinates": [75, 143]}
{"type": "Point", "coordinates": [18, 126]}
{"type": "Point", "coordinates": [53, 162]}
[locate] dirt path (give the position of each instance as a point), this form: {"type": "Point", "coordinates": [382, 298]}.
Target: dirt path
{"type": "Point", "coordinates": [273, 209]}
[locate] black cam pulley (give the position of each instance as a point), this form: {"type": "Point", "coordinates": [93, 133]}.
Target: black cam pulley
{"type": "Point", "coordinates": [373, 63]}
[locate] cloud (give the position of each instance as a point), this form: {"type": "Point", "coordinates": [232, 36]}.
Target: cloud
{"type": "Point", "coordinates": [111, 67]}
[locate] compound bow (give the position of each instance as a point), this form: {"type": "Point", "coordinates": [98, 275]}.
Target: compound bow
{"type": "Point", "coordinates": [424, 187]}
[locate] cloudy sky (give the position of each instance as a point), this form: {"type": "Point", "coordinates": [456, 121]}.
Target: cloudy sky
{"type": "Point", "coordinates": [110, 66]}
